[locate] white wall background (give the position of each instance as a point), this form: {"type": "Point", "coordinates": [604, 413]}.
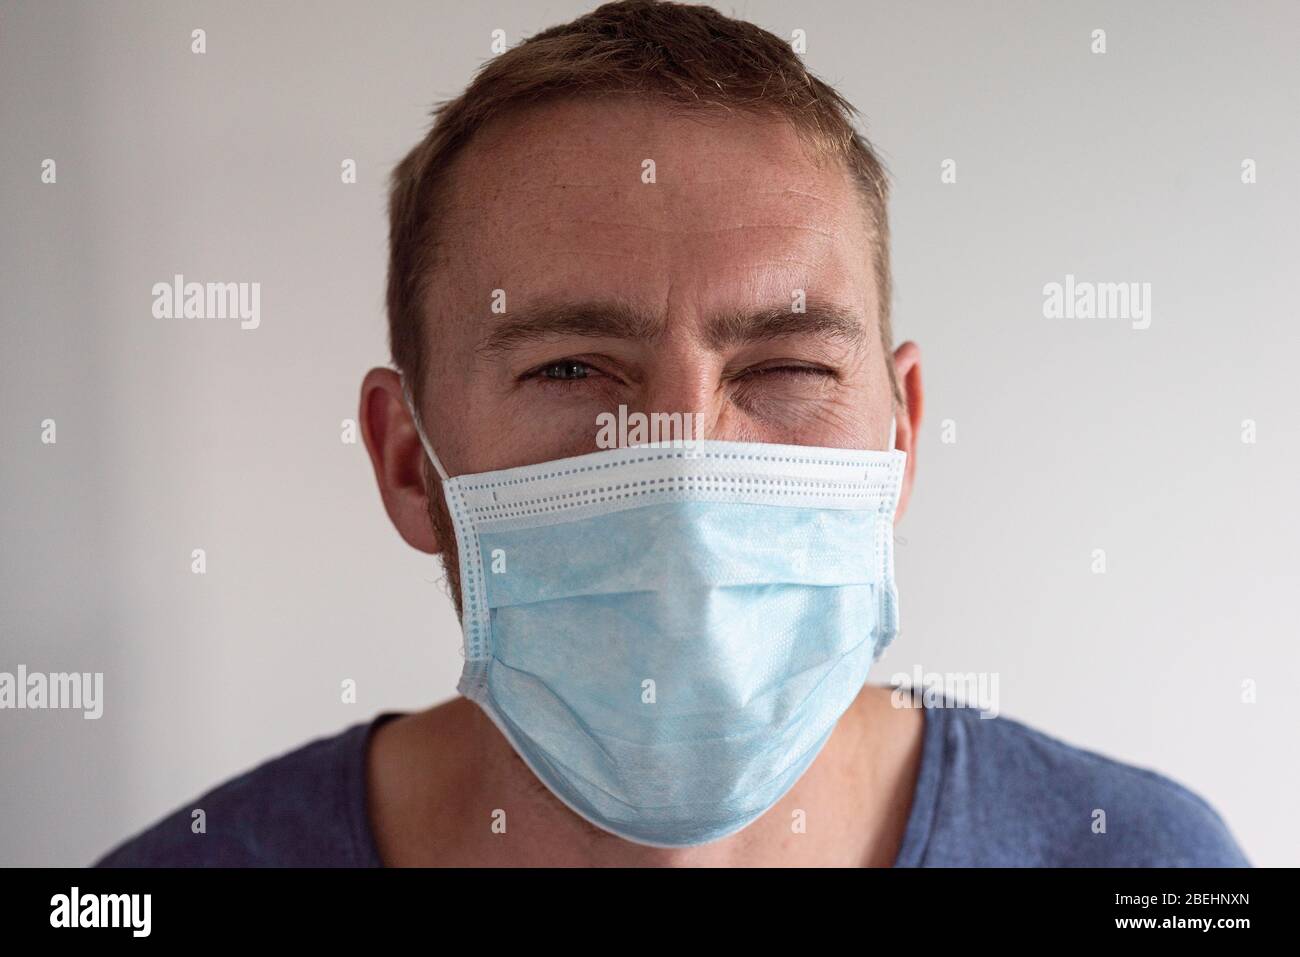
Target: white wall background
{"type": "Point", "coordinates": [1072, 435]}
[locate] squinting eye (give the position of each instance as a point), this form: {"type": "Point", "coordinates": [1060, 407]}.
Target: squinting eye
{"type": "Point", "coordinates": [789, 370]}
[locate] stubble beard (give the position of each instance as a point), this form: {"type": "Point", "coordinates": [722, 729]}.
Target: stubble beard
{"type": "Point", "coordinates": [445, 532]}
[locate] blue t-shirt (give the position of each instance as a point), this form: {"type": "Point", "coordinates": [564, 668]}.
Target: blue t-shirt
{"type": "Point", "coordinates": [990, 792]}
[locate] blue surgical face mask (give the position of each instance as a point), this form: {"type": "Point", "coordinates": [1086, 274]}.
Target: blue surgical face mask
{"type": "Point", "coordinates": [668, 634]}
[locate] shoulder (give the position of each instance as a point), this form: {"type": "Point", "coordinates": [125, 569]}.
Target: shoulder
{"type": "Point", "coordinates": [303, 808]}
{"type": "Point", "coordinates": [1012, 795]}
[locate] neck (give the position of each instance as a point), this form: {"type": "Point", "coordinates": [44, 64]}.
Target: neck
{"type": "Point", "coordinates": [477, 803]}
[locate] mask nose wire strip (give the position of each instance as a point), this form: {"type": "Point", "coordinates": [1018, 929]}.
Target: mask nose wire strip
{"type": "Point", "coordinates": [419, 429]}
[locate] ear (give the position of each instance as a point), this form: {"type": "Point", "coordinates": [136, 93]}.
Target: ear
{"type": "Point", "coordinates": [397, 457]}
{"type": "Point", "coordinates": [907, 365]}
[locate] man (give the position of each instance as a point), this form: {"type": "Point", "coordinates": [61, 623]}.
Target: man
{"type": "Point", "coordinates": [656, 208]}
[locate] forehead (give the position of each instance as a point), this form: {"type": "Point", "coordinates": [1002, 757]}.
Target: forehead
{"type": "Point", "coordinates": [690, 212]}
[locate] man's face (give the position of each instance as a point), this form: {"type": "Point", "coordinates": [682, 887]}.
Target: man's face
{"type": "Point", "coordinates": [674, 296]}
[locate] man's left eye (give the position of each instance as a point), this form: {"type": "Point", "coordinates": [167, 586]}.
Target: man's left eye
{"type": "Point", "coordinates": [789, 370]}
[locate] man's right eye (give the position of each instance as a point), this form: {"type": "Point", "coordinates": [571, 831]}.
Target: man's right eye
{"type": "Point", "coordinates": [561, 372]}
{"type": "Point", "coordinates": [566, 369]}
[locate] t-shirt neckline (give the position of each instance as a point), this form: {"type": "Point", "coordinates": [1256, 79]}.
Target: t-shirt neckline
{"type": "Point", "coordinates": [925, 796]}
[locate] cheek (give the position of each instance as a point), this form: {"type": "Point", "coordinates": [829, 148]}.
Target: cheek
{"type": "Point", "coordinates": [534, 427]}
{"type": "Point", "coordinates": [839, 418]}
{"type": "Point", "coordinates": [840, 423]}
{"type": "Point", "coordinates": [775, 393]}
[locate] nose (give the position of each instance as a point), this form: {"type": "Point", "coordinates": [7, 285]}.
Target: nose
{"type": "Point", "coordinates": [688, 382]}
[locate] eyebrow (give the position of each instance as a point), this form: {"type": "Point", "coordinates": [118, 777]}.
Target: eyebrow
{"type": "Point", "coordinates": [618, 319]}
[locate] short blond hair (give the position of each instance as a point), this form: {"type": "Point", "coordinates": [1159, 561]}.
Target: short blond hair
{"type": "Point", "coordinates": [689, 56]}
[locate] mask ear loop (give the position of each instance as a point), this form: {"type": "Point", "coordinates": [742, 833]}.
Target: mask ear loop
{"type": "Point", "coordinates": [419, 430]}
{"type": "Point", "coordinates": [893, 432]}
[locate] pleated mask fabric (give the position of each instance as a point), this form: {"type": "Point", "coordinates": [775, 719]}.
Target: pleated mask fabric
{"type": "Point", "coordinates": [668, 634]}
